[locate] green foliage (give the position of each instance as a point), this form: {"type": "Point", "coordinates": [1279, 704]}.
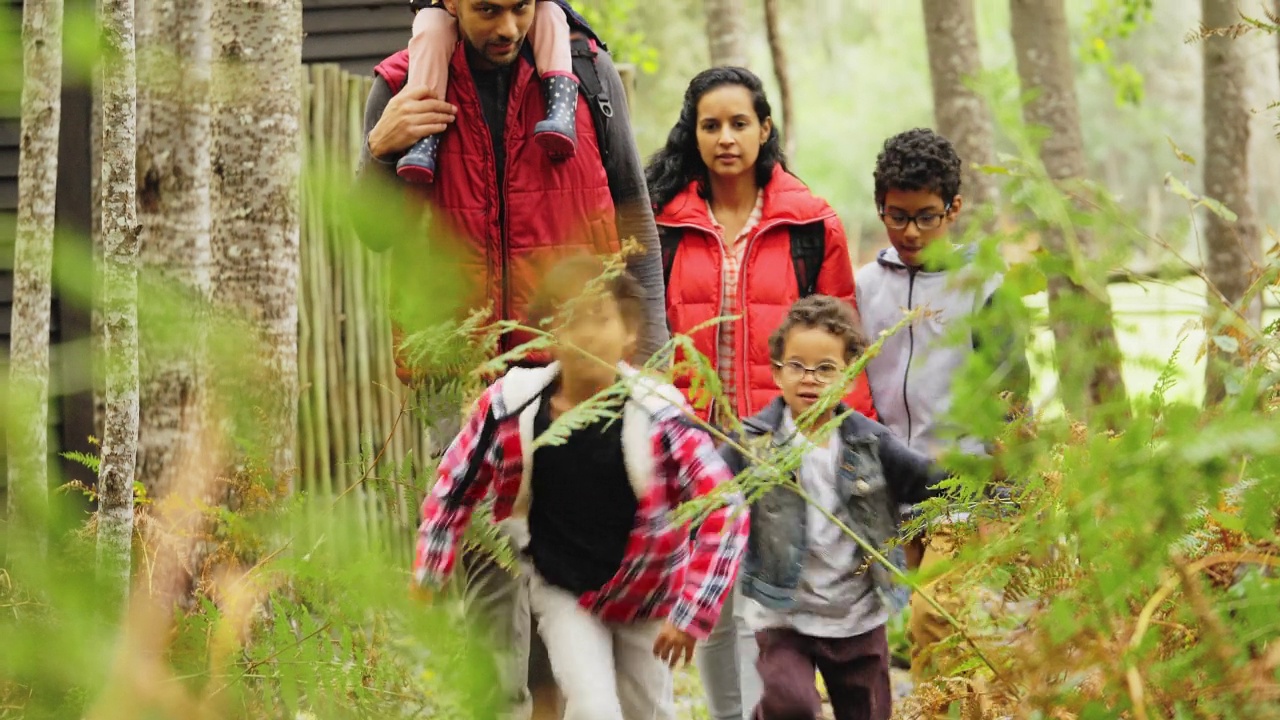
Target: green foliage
{"type": "Point", "coordinates": [614, 21]}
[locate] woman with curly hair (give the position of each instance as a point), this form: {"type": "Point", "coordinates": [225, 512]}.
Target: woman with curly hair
{"type": "Point", "coordinates": [737, 233]}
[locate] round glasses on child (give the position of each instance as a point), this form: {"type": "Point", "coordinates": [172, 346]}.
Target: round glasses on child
{"type": "Point", "coordinates": [793, 371]}
{"type": "Point", "coordinates": [927, 220]}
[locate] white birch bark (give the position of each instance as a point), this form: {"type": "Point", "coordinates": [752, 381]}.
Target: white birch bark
{"type": "Point", "coordinates": [174, 217]}
{"type": "Point", "coordinates": [257, 84]}
{"type": "Point", "coordinates": [28, 429]}
{"type": "Point", "coordinates": [119, 295]}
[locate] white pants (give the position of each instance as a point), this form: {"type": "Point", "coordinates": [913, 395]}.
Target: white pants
{"type": "Point", "coordinates": [606, 671]}
{"type": "Point", "coordinates": [727, 664]}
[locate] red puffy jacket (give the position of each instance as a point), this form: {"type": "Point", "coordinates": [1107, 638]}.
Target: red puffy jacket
{"type": "Point", "coordinates": [545, 210]}
{"type": "Point", "coordinates": [766, 282]}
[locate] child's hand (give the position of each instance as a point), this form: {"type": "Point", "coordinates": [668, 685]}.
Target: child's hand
{"type": "Point", "coordinates": [673, 644]}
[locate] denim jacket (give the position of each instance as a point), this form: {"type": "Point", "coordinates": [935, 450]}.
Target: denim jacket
{"type": "Point", "coordinates": [877, 472]}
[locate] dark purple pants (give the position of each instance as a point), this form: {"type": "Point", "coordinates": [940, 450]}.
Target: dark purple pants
{"type": "Point", "coordinates": [855, 670]}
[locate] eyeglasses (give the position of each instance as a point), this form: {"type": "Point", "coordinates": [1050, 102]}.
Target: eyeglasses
{"type": "Point", "coordinates": [793, 371]}
{"type": "Point", "coordinates": [927, 220]}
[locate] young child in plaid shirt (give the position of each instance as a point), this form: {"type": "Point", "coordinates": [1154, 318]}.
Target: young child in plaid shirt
{"type": "Point", "coordinates": [620, 591]}
{"type": "Point", "coordinates": [435, 37]}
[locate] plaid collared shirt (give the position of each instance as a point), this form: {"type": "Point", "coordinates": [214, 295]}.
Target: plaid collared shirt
{"type": "Point", "coordinates": [663, 575]}
{"type": "Point", "coordinates": [734, 254]}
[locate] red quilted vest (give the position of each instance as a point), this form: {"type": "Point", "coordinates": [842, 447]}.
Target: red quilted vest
{"type": "Point", "coordinates": [766, 283]}
{"type": "Point", "coordinates": [507, 237]}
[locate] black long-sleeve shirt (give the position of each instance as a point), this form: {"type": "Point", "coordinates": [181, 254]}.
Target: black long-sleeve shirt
{"type": "Point", "coordinates": [622, 166]}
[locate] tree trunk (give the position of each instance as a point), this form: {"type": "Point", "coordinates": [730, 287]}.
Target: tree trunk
{"type": "Point", "coordinates": [28, 429]}
{"type": "Point", "coordinates": [726, 32]}
{"type": "Point", "coordinates": [1084, 334]}
{"type": "Point", "coordinates": [119, 295]}
{"type": "Point", "coordinates": [174, 215]}
{"type": "Point", "coordinates": [780, 70]}
{"type": "Point", "coordinates": [1231, 248]}
{"type": "Point", "coordinates": [951, 30]}
{"type": "Point", "coordinates": [255, 194]}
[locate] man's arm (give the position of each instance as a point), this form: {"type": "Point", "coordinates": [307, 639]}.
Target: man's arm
{"type": "Point", "coordinates": [634, 212]}
{"type": "Point", "coordinates": [912, 476]}
{"type": "Point", "coordinates": [392, 123]}
{"type": "Point", "coordinates": [384, 168]}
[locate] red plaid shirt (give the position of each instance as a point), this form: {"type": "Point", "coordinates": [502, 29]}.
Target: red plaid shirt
{"type": "Point", "coordinates": [733, 252]}
{"type": "Point", "coordinates": [663, 574]}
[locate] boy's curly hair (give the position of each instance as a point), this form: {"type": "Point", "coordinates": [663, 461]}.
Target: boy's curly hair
{"type": "Point", "coordinates": [918, 159]}
{"type": "Point", "coordinates": [824, 313]}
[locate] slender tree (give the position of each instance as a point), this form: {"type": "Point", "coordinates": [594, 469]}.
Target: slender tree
{"type": "Point", "coordinates": [33, 262]}
{"type": "Point", "coordinates": [174, 216]}
{"type": "Point", "coordinates": [1232, 248]}
{"type": "Point", "coordinates": [726, 32]}
{"type": "Point", "coordinates": [951, 32]}
{"type": "Point", "coordinates": [1087, 354]}
{"type": "Point", "coordinates": [257, 115]}
{"type": "Point", "coordinates": [777, 48]}
{"type": "Point", "coordinates": [119, 294]}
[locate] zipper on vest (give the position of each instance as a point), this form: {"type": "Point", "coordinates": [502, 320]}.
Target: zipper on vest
{"type": "Point", "coordinates": [911, 350]}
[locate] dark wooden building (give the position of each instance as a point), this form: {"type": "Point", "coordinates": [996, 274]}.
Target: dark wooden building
{"type": "Point", "coordinates": [353, 33]}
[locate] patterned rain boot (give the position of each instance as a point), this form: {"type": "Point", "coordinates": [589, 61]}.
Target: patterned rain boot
{"type": "Point", "coordinates": [419, 164]}
{"type": "Point", "coordinates": [556, 134]}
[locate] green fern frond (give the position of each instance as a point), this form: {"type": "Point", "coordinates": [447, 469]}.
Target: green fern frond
{"type": "Point", "coordinates": [1168, 377]}
{"type": "Point", "coordinates": [598, 408]}
{"type": "Point", "coordinates": [484, 536]}
{"type": "Point", "coordinates": [92, 462]}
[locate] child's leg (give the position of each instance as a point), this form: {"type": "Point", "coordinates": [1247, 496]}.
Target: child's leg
{"type": "Point", "coordinates": [646, 687]}
{"type": "Point", "coordinates": [787, 668]}
{"type": "Point", "coordinates": [727, 664]}
{"type": "Point", "coordinates": [856, 673]}
{"type": "Point", "coordinates": [581, 650]}
{"type": "Point", "coordinates": [928, 629]}
{"type": "Point", "coordinates": [549, 34]}
{"type": "Point", "coordinates": [435, 37]}
{"type": "Point", "coordinates": [550, 37]}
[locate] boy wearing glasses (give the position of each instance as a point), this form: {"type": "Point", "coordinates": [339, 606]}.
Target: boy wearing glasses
{"type": "Point", "coordinates": [917, 191]}
{"type": "Point", "coordinates": [815, 600]}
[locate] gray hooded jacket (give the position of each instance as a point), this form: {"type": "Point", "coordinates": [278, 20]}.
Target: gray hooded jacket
{"type": "Point", "coordinates": [911, 377]}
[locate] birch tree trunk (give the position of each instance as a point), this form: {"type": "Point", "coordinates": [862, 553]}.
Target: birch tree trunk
{"type": "Point", "coordinates": [28, 432]}
{"type": "Point", "coordinates": [726, 32]}
{"type": "Point", "coordinates": [256, 166]}
{"type": "Point", "coordinates": [119, 295]}
{"type": "Point", "coordinates": [174, 216]}
{"type": "Point", "coordinates": [951, 32]}
{"type": "Point", "coordinates": [778, 50]}
{"type": "Point", "coordinates": [1231, 249]}
{"type": "Point", "coordinates": [1087, 355]}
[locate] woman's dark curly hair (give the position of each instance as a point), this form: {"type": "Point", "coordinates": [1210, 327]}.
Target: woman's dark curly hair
{"type": "Point", "coordinates": [918, 159]}
{"type": "Point", "coordinates": [824, 313]}
{"type": "Point", "coordinates": [677, 164]}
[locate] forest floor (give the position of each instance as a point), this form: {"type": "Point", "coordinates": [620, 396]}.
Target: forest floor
{"type": "Point", "coordinates": [691, 705]}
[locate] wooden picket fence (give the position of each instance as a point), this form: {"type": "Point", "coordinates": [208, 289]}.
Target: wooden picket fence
{"type": "Point", "coordinates": [354, 423]}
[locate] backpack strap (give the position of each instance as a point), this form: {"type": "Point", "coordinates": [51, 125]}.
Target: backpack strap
{"type": "Point", "coordinates": [669, 240]}
{"type": "Point", "coordinates": [808, 249]}
{"type": "Point", "coordinates": [583, 52]}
